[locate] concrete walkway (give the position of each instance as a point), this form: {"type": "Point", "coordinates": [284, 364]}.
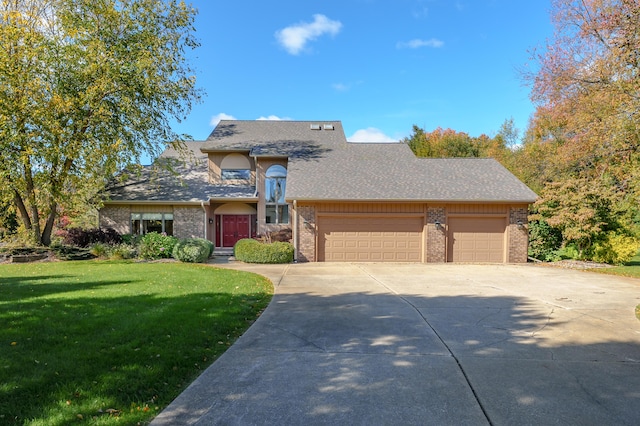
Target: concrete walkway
{"type": "Point", "coordinates": [413, 344]}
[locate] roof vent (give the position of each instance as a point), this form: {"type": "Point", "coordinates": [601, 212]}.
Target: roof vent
{"type": "Point", "coordinates": [316, 127]}
{"type": "Point", "coordinates": [328, 127]}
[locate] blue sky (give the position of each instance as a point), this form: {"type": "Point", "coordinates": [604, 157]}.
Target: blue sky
{"type": "Point", "coordinates": [379, 66]}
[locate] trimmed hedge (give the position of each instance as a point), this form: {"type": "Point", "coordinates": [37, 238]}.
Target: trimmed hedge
{"type": "Point", "coordinates": [252, 251]}
{"type": "Point", "coordinates": [193, 250]}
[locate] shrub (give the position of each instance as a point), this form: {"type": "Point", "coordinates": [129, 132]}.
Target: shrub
{"type": "Point", "coordinates": [130, 239]}
{"type": "Point", "coordinates": [544, 241]}
{"type": "Point", "coordinates": [252, 251]}
{"type": "Point", "coordinates": [85, 237]}
{"type": "Point", "coordinates": [156, 246]}
{"type": "Point", "coordinates": [615, 249]}
{"type": "Point", "coordinates": [193, 250]}
{"type": "Point", "coordinates": [99, 250]}
{"type": "Point", "coordinates": [122, 251]}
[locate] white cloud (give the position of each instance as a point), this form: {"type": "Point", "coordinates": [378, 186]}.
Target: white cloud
{"type": "Point", "coordinates": [294, 38]}
{"type": "Point", "coordinates": [273, 118]}
{"type": "Point", "coordinates": [340, 87]}
{"type": "Point", "coordinates": [370, 134]}
{"type": "Point", "coordinates": [417, 43]}
{"type": "Point", "coordinates": [222, 116]}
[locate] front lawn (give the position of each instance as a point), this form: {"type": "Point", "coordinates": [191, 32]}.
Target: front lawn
{"type": "Point", "coordinates": [630, 269]}
{"type": "Point", "coordinates": [114, 342]}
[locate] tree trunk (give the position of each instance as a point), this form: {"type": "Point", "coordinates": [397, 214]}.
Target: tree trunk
{"type": "Point", "coordinates": [48, 227]}
{"type": "Point", "coordinates": [22, 209]}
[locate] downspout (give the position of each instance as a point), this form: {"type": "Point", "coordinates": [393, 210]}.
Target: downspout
{"type": "Point", "coordinates": [255, 163]}
{"type": "Point", "coordinates": [204, 210]}
{"type": "Point", "coordinates": [295, 231]}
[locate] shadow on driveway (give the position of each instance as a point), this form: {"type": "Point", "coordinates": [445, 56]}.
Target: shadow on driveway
{"type": "Point", "coordinates": [424, 344]}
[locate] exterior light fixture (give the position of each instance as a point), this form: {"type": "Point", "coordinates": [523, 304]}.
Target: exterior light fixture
{"type": "Point", "coordinates": [438, 225]}
{"type": "Point", "coordinates": [520, 224]}
{"type": "Point", "coordinates": [210, 221]}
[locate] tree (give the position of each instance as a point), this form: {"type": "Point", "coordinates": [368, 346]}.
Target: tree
{"type": "Point", "coordinates": [441, 143]}
{"type": "Point", "coordinates": [86, 88]}
{"type": "Point", "coordinates": [587, 86]}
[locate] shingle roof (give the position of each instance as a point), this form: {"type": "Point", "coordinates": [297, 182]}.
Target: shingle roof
{"type": "Point", "coordinates": [375, 171]}
{"type": "Point", "coordinates": [276, 138]}
{"type": "Point", "coordinates": [186, 181]}
{"type": "Point", "coordinates": [322, 165]}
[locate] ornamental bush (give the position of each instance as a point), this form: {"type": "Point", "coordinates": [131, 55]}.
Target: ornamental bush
{"type": "Point", "coordinates": [252, 251]}
{"type": "Point", "coordinates": [156, 246]}
{"type": "Point", "coordinates": [615, 249]}
{"type": "Point", "coordinates": [193, 250]}
{"type": "Point", "coordinates": [86, 237]}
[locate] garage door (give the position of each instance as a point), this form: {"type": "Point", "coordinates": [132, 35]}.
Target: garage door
{"type": "Point", "coordinates": [476, 239]}
{"type": "Point", "coordinates": [370, 239]}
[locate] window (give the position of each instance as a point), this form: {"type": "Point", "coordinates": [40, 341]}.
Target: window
{"type": "Point", "coordinates": [235, 167]}
{"type": "Point", "coordinates": [236, 174]}
{"type": "Point", "coordinates": [277, 211]}
{"type": "Point", "coordinates": [143, 223]}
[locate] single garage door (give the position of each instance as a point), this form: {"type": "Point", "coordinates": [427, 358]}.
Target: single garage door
{"type": "Point", "coordinates": [370, 239]}
{"type": "Point", "coordinates": [476, 239]}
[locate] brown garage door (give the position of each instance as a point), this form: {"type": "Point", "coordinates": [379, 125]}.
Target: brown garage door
{"type": "Point", "coordinates": [370, 239]}
{"type": "Point", "coordinates": [476, 239]}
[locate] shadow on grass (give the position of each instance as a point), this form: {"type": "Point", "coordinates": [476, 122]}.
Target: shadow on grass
{"type": "Point", "coordinates": [64, 356]}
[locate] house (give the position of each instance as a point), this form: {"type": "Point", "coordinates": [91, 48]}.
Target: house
{"type": "Point", "coordinates": [370, 202]}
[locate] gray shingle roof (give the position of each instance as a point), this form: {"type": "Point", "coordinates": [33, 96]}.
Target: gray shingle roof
{"type": "Point", "coordinates": [275, 138]}
{"type": "Point", "coordinates": [322, 165]}
{"type": "Point", "coordinates": [186, 181]}
{"type": "Point", "coordinates": [375, 171]}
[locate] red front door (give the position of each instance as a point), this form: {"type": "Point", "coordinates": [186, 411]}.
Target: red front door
{"type": "Point", "coordinates": [234, 228]}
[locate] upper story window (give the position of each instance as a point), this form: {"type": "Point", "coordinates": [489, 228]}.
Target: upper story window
{"type": "Point", "coordinates": [235, 167]}
{"type": "Point", "coordinates": [235, 174]}
{"type": "Point", "coordinates": [277, 210]}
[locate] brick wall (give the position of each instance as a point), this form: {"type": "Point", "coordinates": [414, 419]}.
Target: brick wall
{"type": "Point", "coordinates": [116, 217]}
{"type": "Point", "coordinates": [518, 236]}
{"type": "Point", "coordinates": [436, 238]}
{"type": "Point", "coordinates": [306, 217]}
{"type": "Point", "coordinates": [188, 222]}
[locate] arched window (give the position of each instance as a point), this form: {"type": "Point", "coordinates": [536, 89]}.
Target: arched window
{"type": "Point", "coordinates": [277, 211]}
{"type": "Point", "coordinates": [235, 167]}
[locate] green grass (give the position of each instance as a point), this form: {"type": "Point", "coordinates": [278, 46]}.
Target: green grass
{"type": "Point", "coordinates": [114, 342]}
{"type": "Point", "coordinates": [630, 269]}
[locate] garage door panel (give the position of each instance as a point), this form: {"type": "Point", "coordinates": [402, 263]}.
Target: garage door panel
{"type": "Point", "coordinates": [476, 239]}
{"type": "Point", "coordinates": [367, 239]}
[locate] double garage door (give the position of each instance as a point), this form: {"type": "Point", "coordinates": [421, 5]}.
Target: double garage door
{"type": "Point", "coordinates": [401, 239]}
{"type": "Point", "coordinates": [370, 239]}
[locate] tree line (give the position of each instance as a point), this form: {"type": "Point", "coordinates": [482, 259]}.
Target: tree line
{"type": "Point", "coordinates": [580, 152]}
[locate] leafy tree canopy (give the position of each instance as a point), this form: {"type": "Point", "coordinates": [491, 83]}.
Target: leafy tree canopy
{"type": "Point", "coordinates": [86, 88]}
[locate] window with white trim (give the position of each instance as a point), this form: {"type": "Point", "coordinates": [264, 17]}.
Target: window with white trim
{"type": "Point", "coordinates": [143, 223]}
{"type": "Point", "coordinates": [277, 210]}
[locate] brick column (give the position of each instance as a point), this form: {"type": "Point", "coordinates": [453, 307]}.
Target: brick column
{"type": "Point", "coordinates": [306, 217]}
{"type": "Point", "coordinates": [436, 238]}
{"type": "Point", "coordinates": [518, 236]}
{"type": "Point", "coordinates": [188, 222]}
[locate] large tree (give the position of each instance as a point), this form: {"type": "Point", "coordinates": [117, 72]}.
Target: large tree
{"type": "Point", "coordinates": [587, 87]}
{"type": "Point", "coordinates": [582, 148]}
{"type": "Point", "coordinates": [86, 88]}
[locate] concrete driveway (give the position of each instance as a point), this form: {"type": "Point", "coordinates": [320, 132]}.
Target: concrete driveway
{"type": "Point", "coordinates": [428, 344]}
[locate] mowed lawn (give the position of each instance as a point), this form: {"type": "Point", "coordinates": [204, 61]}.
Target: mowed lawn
{"type": "Point", "coordinates": [114, 342]}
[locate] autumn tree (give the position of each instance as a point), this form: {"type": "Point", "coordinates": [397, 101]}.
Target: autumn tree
{"type": "Point", "coordinates": [86, 88]}
{"type": "Point", "coordinates": [441, 143]}
{"type": "Point", "coordinates": [582, 147]}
